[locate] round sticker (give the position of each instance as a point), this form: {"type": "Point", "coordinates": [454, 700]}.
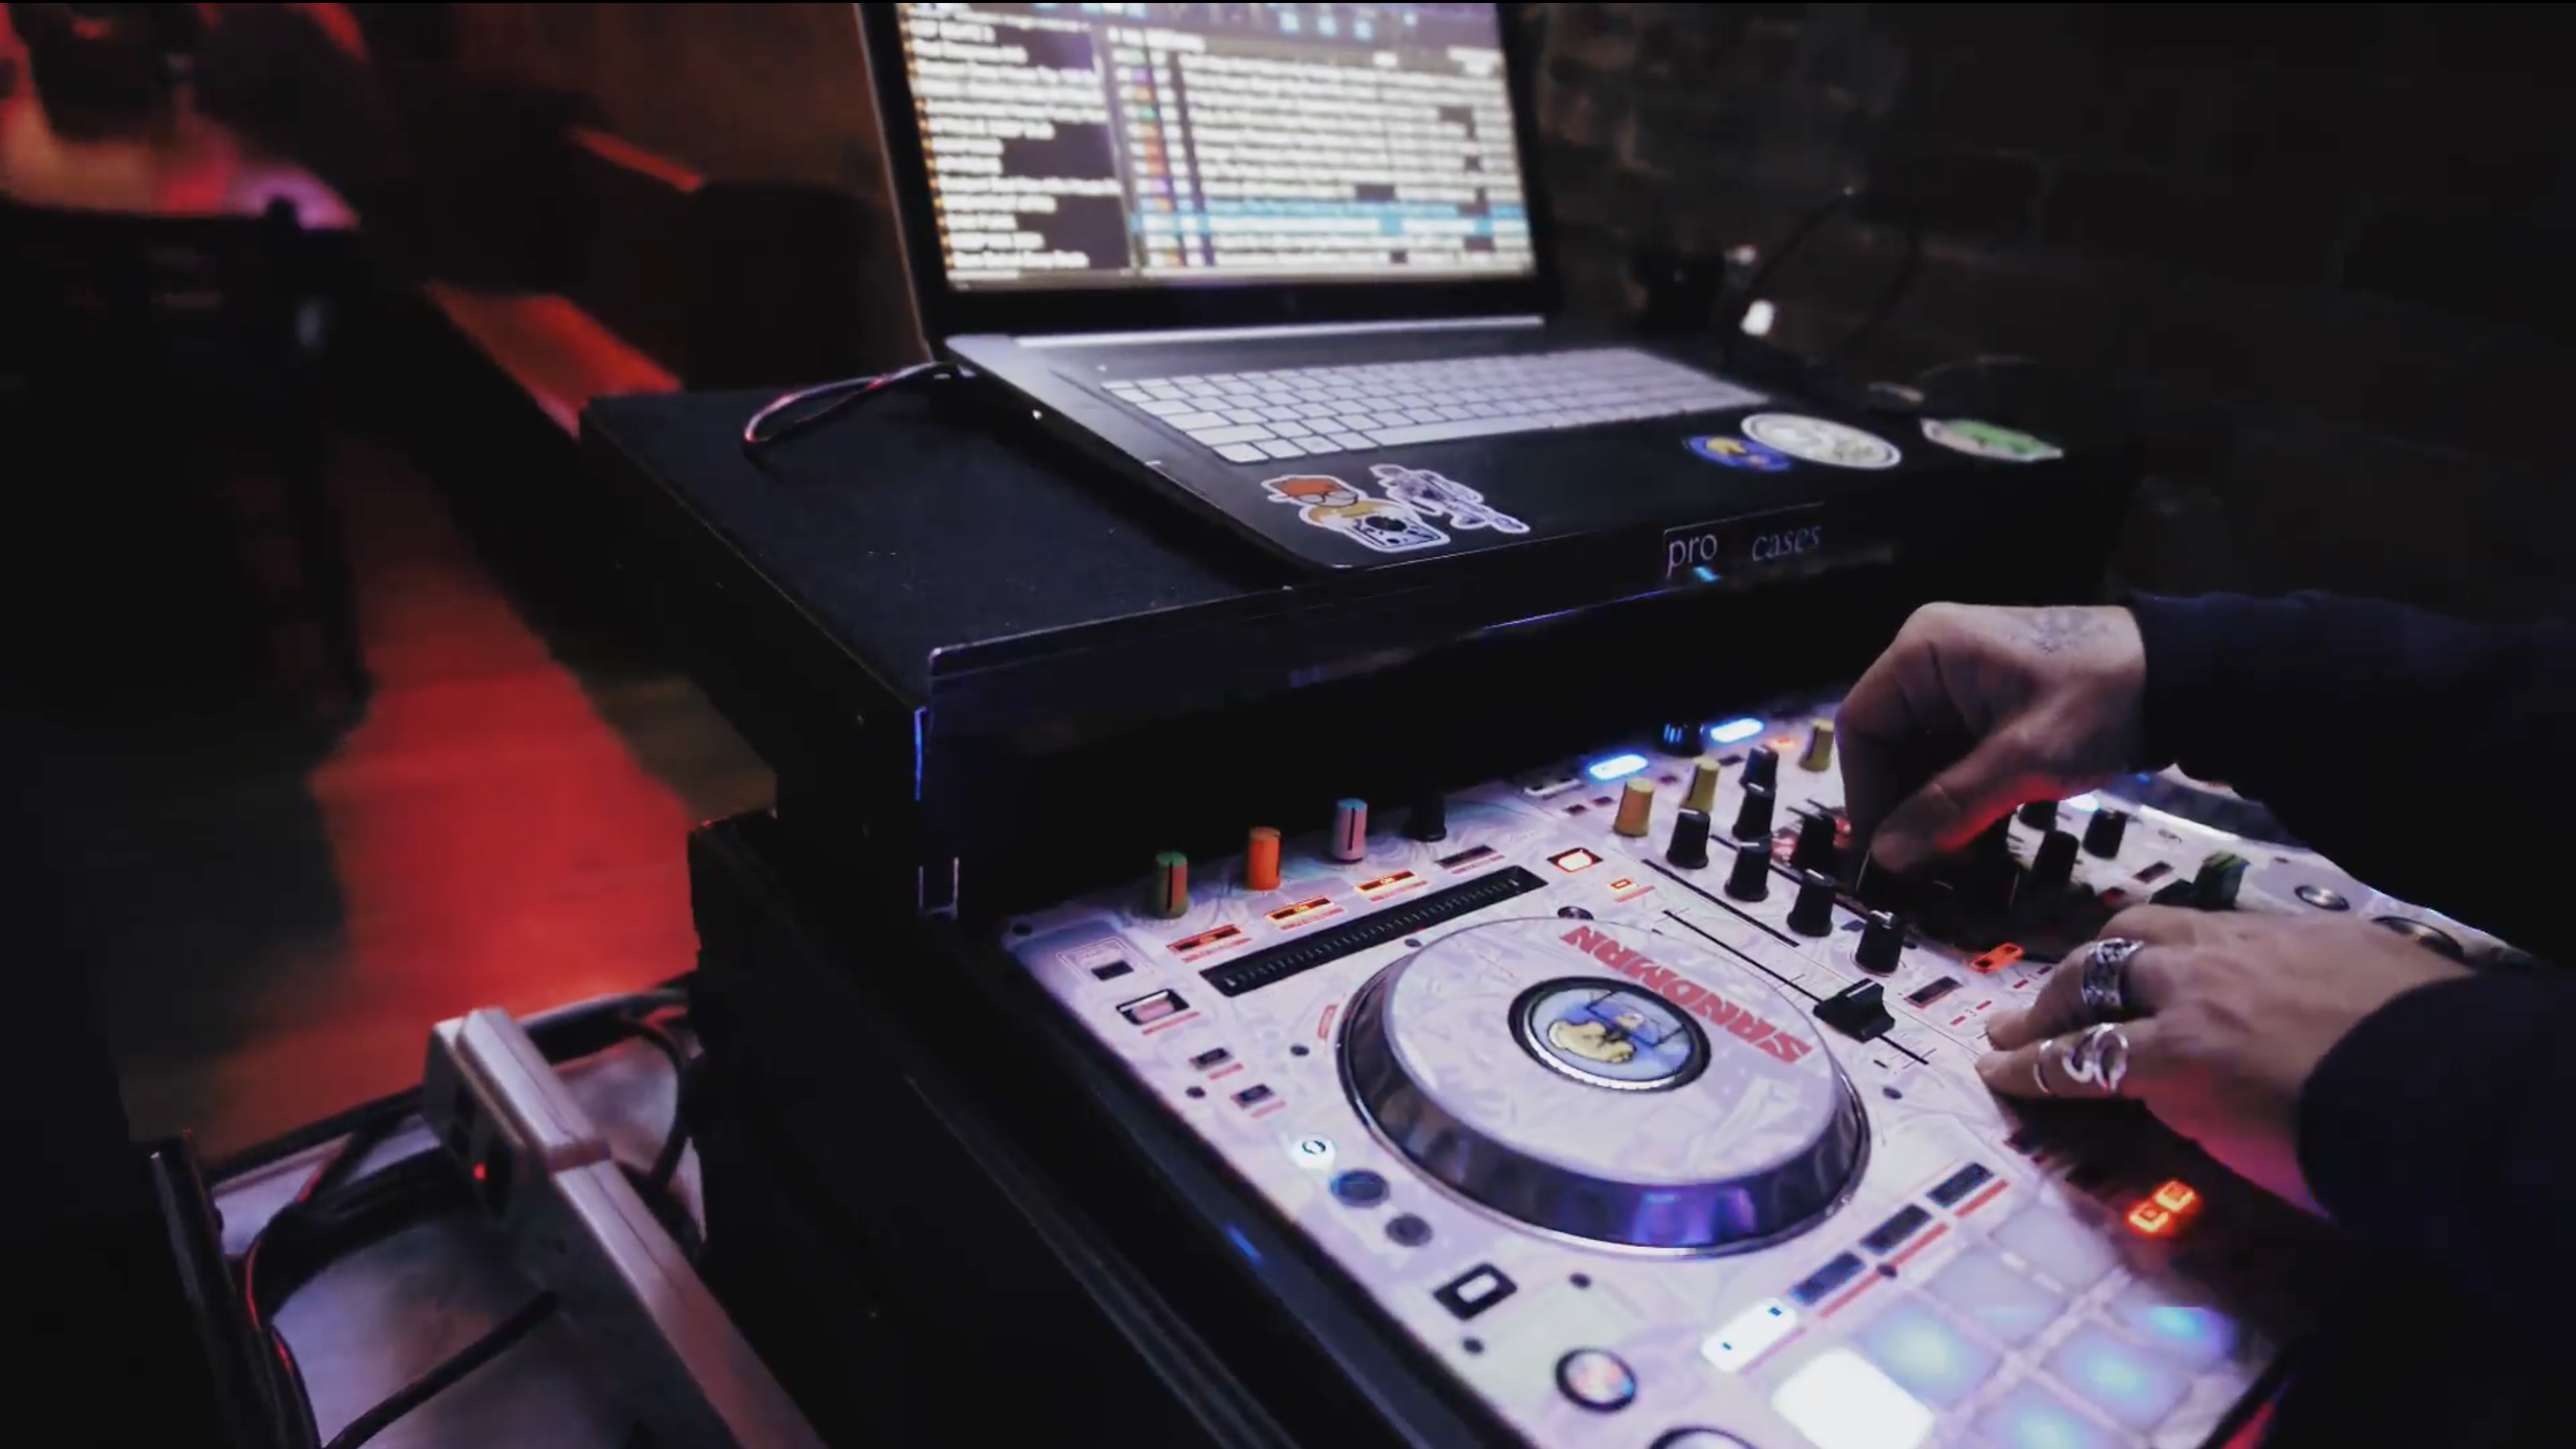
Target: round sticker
{"type": "Point", "coordinates": [1820, 441]}
{"type": "Point", "coordinates": [1985, 440]}
{"type": "Point", "coordinates": [1611, 1035]}
{"type": "Point", "coordinates": [1741, 453]}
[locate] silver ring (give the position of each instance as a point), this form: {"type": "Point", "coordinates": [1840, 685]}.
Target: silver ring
{"type": "Point", "coordinates": [2039, 1074]}
{"type": "Point", "coordinates": [2098, 1057]}
{"type": "Point", "coordinates": [2104, 986]}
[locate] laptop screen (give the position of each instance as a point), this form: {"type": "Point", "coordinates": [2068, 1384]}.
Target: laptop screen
{"type": "Point", "coordinates": [1137, 145]}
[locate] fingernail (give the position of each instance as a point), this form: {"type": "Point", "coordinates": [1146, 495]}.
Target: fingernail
{"type": "Point", "coordinates": [1989, 1064]}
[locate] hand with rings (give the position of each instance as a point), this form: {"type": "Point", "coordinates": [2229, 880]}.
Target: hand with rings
{"type": "Point", "coordinates": [2213, 1020]}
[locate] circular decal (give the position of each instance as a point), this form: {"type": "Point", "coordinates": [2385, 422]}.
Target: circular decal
{"type": "Point", "coordinates": [1610, 1035]}
{"type": "Point", "coordinates": [1741, 453]}
{"type": "Point", "coordinates": [1821, 441]}
{"type": "Point", "coordinates": [1985, 440]}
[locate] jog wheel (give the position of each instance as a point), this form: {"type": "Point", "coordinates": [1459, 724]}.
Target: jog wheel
{"type": "Point", "coordinates": [1608, 1084]}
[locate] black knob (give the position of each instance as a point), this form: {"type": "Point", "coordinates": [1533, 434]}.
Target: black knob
{"type": "Point", "coordinates": [1812, 914]}
{"type": "Point", "coordinates": [1879, 888]}
{"type": "Point", "coordinates": [1819, 843]}
{"type": "Point", "coordinates": [2103, 835]}
{"type": "Point", "coordinates": [1750, 877]}
{"type": "Point", "coordinates": [1689, 849]}
{"type": "Point", "coordinates": [1682, 737]}
{"type": "Point", "coordinates": [1430, 818]}
{"type": "Point", "coordinates": [1992, 872]}
{"type": "Point", "coordinates": [2054, 865]}
{"type": "Point", "coordinates": [2040, 814]}
{"type": "Point", "coordinates": [1753, 817]}
{"type": "Point", "coordinates": [1762, 767]}
{"type": "Point", "coordinates": [1943, 914]}
{"type": "Point", "coordinates": [1882, 939]}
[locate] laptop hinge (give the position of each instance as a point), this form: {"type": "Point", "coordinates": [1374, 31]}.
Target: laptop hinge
{"type": "Point", "coordinates": [1249, 334]}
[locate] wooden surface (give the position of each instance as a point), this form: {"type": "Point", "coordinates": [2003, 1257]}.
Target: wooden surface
{"type": "Point", "coordinates": [559, 354]}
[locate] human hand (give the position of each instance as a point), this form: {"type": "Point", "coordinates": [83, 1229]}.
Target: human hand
{"type": "Point", "coordinates": [1974, 710]}
{"type": "Point", "coordinates": [2227, 1016]}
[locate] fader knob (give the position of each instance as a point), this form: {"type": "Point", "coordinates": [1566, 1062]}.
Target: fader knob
{"type": "Point", "coordinates": [1703, 786]}
{"type": "Point", "coordinates": [1882, 940]}
{"type": "Point", "coordinates": [2040, 815]}
{"type": "Point", "coordinates": [1762, 767]}
{"type": "Point", "coordinates": [1167, 892]}
{"type": "Point", "coordinates": [1689, 849]}
{"type": "Point", "coordinates": [1753, 817]}
{"type": "Point", "coordinates": [1261, 859]}
{"type": "Point", "coordinates": [1749, 879]}
{"type": "Point", "coordinates": [1820, 747]}
{"type": "Point", "coordinates": [2103, 834]}
{"type": "Point", "coordinates": [1819, 843]}
{"type": "Point", "coordinates": [1636, 810]}
{"type": "Point", "coordinates": [1430, 818]}
{"type": "Point", "coordinates": [1349, 839]}
{"type": "Point", "coordinates": [1812, 914]}
{"type": "Point", "coordinates": [2054, 865]}
{"type": "Point", "coordinates": [1682, 737]}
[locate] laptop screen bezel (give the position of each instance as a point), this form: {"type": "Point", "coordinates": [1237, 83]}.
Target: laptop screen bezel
{"type": "Point", "coordinates": [947, 311]}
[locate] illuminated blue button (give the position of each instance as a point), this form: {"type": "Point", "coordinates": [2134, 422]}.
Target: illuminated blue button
{"type": "Point", "coordinates": [1935, 1362]}
{"type": "Point", "coordinates": [2133, 1386]}
{"type": "Point", "coordinates": [2175, 1323]}
{"type": "Point", "coordinates": [1617, 767]}
{"type": "Point", "coordinates": [1735, 731]}
{"type": "Point", "coordinates": [2058, 1246]}
{"type": "Point", "coordinates": [2011, 1307]}
{"type": "Point", "coordinates": [2030, 1417]}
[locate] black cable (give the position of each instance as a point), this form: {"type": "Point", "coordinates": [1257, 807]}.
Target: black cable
{"type": "Point", "coordinates": [675, 1141]}
{"type": "Point", "coordinates": [438, 1379]}
{"type": "Point", "coordinates": [842, 396]}
{"type": "Point", "coordinates": [1731, 326]}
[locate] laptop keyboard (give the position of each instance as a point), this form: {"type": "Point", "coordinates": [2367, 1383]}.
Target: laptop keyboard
{"type": "Point", "coordinates": [1255, 417]}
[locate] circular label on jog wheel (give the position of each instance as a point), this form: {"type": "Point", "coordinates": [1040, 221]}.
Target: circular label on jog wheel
{"type": "Point", "coordinates": [1605, 1083]}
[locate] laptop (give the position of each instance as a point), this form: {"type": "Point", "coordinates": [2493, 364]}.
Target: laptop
{"type": "Point", "coordinates": [1288, 264]}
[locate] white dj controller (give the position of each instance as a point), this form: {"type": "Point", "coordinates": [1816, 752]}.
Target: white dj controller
{"type": "Point", "coordinates": [1652, 1135]}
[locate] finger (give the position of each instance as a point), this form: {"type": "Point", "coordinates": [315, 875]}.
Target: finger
{"type": "Point", "coordinates": [2159, 925]}
{"type": "Point", "coordinates": [2039, 1068]}
{"type": "Point", "coordinates": [2152, 978]}
{"type": "Point", "coordinates": [1958, 802]}
{"type": "Point", "coordinates": [1883, 726]}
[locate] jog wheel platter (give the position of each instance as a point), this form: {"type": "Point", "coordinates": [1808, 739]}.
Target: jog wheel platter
{"type": "Point", "coordinates": [1606, 1083]}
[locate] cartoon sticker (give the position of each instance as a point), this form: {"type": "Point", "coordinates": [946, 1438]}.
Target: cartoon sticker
{"type": "Point", "coordinates": [1347, 509]}
{"type": "Point", "coordinates": [1821, 441]}
{"type": "Point", "coordinates": [1985, 440]}
{"type": "Point", "coordinates": [1740, 453]}
{"type": "Point", "coordinates": [1611, 1035]}
{"type": "Point", "coordinates": [1427, 492]}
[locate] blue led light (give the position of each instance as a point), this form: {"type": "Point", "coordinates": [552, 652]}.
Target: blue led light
{"type": "Point", "coordinates": [1241, 1243]}
{"type": "Point", "coordinates": [1931, 1359]}
{"type": "Point", "coordinates": [2030, 1417]}
{"type": "Point", "coordinates": [2194, 1335]}
{"type": "Point", "coordinates": [1617, 767]}
{"type": "Point", "coordinates": [1735, 731]}
{"type": "Point", "coordinates": [2130, 1386]}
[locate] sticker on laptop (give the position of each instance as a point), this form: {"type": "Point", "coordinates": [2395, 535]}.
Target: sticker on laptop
{"type": "Point", "coordinates": [1985, 440]}
{"type": "Point", "coordinates": [1741, 453]}
{"type": "Point", "coordinates": [1819, 440]}
{"type": "Point", "coordinates": [1337, 507]}
{"type": "Point", "coordinates": [1432, 494]}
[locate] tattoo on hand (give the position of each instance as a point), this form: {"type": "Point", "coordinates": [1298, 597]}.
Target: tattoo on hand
{"type": "Point", "coordinates": [2056, 631]}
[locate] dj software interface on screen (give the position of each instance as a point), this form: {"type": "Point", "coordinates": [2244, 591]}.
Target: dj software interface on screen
{"type": "Point", "coordinates": [1135, 144]}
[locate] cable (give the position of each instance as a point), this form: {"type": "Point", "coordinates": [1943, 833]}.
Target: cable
{"type": "Point", "coordinates": [438, 1379]}
{"type": "Point", "coordinates": [1731, 327]}
{"type": "Point", "coordinates": [675, 1141]}
{"type": "Point", "coordinates": [844, 395]}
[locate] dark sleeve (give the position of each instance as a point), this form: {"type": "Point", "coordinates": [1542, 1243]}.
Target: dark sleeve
{"type": "Point", "coordinates": [2433, 758]}
{"type": "Point", "coordinates": [2437, 1128]}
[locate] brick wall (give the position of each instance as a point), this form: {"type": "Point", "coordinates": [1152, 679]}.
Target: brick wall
{"type": "Point", "coordinates": [2305, 257]}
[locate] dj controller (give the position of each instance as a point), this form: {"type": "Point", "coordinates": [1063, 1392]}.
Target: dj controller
{"type": "Point", "coordinates": [1647, 1111]}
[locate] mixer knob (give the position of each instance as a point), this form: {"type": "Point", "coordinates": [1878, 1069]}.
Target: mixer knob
{"type": "Point", "coordinates": [2103, 835]}
{"type": "Point", "coordinates": [1762, 767]}
{"type": "Point", "coordinates": [1749, 879]}
{"type": "Point", "coordinates": [2054, 865]}
{"type": "Point", "coordinates": [1812, 914]}
{"type": "Point", "coordinates": [1820, 747]}
{"type": "Point", "coordinates": [1753, 817]}
{"type": "Point", "coordinates": [1636, 809]}
{"type": "Point", "coordinates": [2214, 885]}
{"type": "Point", "coordinates": [1882, 939]}
{"type": "Point", "coordinates": [1878, 887]}
{"type": "Point", "coordinates": [1261, 859]}
{"type": "Point", "coordinates": [1819, 843]}
{"type": "Point", "coordinates": [1703, 786]}
{"type": "Point", "coordinates": [2040, 815]}
{"type": "Point", "coordinates": [1682, 738]}
{"type": "Point", "coordinates": [1349, 840]}
{"type": "Point", "coordinates": [1167, 892]}
{"type": "Point", "coordinates": [1430, 818]}
{"type": "Point", "coordinates": [1992, 873]}
{"type": "Point", "coordinates": [1689, 849]}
